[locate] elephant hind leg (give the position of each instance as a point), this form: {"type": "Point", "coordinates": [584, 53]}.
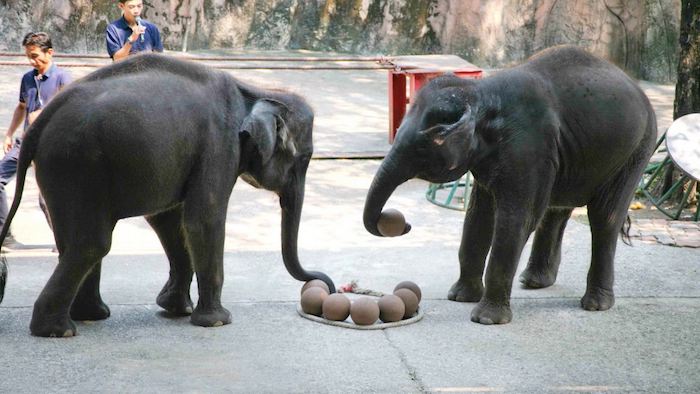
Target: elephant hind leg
{"type": "Point", "coordinates": [175, 295]}
{"type": "Point", "coordinates": [88, 304]}
{"type": "Point", "coordinates": [82, 248]}
{"type": "Point", "coordinates": [543, 265]}
{"type": "Point", "coordinates": [607, 213]}
{"type": "Point", "coordinates": [204, 223]}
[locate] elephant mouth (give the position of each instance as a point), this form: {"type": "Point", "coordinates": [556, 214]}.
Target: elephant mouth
{"type": "Point", "coordinates": [441, 178]}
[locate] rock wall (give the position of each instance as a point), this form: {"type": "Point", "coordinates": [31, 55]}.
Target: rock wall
{"type": "Point", "coordinates": [639, 35]}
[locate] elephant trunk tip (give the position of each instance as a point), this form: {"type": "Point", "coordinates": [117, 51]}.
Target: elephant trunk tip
{"type": "Point", "coordinates": [325, 278]}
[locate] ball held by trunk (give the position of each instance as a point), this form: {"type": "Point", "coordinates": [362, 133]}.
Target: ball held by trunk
{"type": "Point", "coordinates": [391, 223]}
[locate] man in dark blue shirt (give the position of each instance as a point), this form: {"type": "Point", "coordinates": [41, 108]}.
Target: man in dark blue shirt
{"type": "Point", "coordinates": [131, 34]}
{"type": "Point", "coordinates": [38, 87]}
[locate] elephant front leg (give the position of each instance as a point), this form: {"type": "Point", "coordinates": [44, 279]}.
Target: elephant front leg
{"type": "Point", "coordinates": [517, 215]}
{"type": "Point", "coordinates": [476, 241]}
{"type": "Point", "coordinates": [175, 295]}
{"type": "Point", "coordinates": [509, 239]}
{"type": "Point", "coordinates": [206, 246]}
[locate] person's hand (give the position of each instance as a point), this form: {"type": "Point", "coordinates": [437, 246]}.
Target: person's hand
{"type": "Point", "coordinates": [8, 143]}
{"type": "Point", "coordinates": [137, 31]}
{"type": "Point", "coordinates": [32, 116]}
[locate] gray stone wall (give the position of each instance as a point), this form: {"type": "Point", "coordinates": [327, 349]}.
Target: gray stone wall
{"type": "Point", "coordinates": [639, 35]}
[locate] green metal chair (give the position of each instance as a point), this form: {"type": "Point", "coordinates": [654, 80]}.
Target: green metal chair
{"type": "Point", "coordinates": [675, 197]}
{"type": "Point", "coordinates": [452, 195]}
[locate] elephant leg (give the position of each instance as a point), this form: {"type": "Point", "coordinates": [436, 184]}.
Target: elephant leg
{"type": "Point", "coordinates": [518, 210]}
{"type": "Point", "coordinates": [82, 246]}
{"type": "Point", "coordinates": [88, 304]}
{"type": "Point", "coordinates": [542, 268]}
{"type": "Point", "coordinates": [204, 224]}
{"type": "Point", "coordinates": [607, 213]}
{"type": "Point", "coordinates": [476, 241]}
{"type": "Point", "coordinates": [175, 295]}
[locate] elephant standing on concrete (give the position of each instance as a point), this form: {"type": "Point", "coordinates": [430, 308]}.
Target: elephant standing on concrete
{"type": "Point", "coordinates": [164, 138]}
{"type": "Point", "coordinates": [563, 130]}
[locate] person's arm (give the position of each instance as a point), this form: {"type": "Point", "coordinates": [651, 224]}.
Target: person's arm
{"type": "Point", "coordinates": [114, 46]}
{"type": "Point", "coordinates": [17, 119]}
{"type": "Point", "coordinates": [124, 51]}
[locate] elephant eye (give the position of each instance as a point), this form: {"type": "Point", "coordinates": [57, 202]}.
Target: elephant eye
{"type": "Point", "coordinates": [440, 116]}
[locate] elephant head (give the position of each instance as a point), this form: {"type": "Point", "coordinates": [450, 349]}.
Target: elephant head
{"type": "Point", "coordinates": [437, 142]}
{"type": "Point", "coordinates": [276, 140]}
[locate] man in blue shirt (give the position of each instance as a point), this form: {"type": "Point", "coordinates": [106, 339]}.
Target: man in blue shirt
{"type": "Point", "coordinates": [38, 87]}
{"type": "Point", "coordinates": [131, 34]}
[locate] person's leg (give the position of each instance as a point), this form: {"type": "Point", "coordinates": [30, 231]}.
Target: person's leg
{"type": "Point", "coordinates": [8, 169]}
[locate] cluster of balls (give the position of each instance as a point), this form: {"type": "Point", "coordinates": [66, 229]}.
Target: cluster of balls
{"type": "Point", "coordinates": [364, 311]}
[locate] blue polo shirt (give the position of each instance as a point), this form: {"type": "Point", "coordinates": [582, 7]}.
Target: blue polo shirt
{"type": "Point", "coordinates": [119, 31]}
{"type": "Point", "coordinates": [36, 92]}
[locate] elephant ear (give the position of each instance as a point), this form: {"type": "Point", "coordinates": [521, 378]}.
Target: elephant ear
{"type": "Point", "coordinates": [267, 128]}
{"type": "Point", "coordinates": [455, 141]}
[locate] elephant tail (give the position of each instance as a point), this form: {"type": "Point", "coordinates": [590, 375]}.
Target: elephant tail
{"type": "Point", "coordinates": [3, 275]}
{"type": "Point", "coordinates": [26, 155]}
{"type": "Point", "coordinates": [625, 231]}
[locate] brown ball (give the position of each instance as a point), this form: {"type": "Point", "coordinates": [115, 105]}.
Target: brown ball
{"type": "Point", "coordinates": [407, 284]}
{"type": "Point", "coordinates": [391, 223]}
{"type": "Point", "coordinates": [315, 283]}
{"type": "Point", "coordinates": [312, 300]}
{"type": "Point", "coordinates": [410, 301]}
{"type": "Point", "coordinates": [336, 307]}
{"type": "Point", "coordinates": [391, 308]}
{"type": "Point", "coordinates": [364, 311]}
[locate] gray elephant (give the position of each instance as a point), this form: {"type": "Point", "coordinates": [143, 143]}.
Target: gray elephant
{"type": "Point", "coordinates": [563, 130]}
{"type": "Point", "coordinates": [166, 139]}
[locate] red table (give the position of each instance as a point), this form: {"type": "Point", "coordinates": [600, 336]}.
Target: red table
{"type": "Point", "coordinates": [418, 70]}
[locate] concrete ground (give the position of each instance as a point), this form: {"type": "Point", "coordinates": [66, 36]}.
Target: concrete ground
{"type": "Point", "coordinates": [648, 342]}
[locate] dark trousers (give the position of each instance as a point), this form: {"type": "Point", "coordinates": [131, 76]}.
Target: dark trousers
{"type": "Point", "coordinates": [8, 170]}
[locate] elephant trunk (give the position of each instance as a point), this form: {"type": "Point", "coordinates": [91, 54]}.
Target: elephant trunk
{"type": "Point", "coordinates": [389, 176]}
{"type": "Point", "coordinates": [291, 202]}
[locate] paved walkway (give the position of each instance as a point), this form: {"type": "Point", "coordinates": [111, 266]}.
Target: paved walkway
{"type": "Point", "coordinates": [667, 232]}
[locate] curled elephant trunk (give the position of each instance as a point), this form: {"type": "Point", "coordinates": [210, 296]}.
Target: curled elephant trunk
{"type": "Point", "coordinates": [389, 176]}
{"type": "Point", "coordinates": [291, 201]}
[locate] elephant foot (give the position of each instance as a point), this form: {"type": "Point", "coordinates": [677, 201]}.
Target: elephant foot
{"type": "Point", "coordinates": [488, 313]}
{"type": "Point", "coordinates": [177, 303]}
{"type": "Point", "coordinates": [533, 279]}
{"type": "Point", "coordinates": [210, 318]}
{"type": "Point", "coordinates": [597, 299]}
{"type": "Point", "coordinates": [92, 311]}
{"type": "Point", "coordinates": [466, 291]}
{"type": "Point", "coordinates": [58, 328]}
